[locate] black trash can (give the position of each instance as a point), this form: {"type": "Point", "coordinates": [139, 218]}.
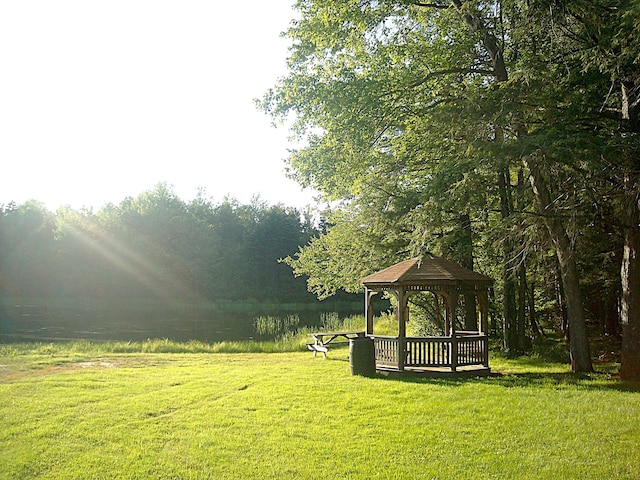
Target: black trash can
{"type": "Point", "coordinates": [362, 357]}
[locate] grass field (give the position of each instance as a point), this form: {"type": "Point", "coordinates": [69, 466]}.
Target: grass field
{"type": "Point", "coordinates": [98, 411]}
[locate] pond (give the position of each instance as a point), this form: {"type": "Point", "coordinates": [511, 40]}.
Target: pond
{"type": "Point", "coordinates": [206, 323]}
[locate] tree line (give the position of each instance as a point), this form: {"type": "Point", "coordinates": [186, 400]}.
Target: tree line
{"type": "Point", "coordinates": [154, 246]}
{"type": "Point", "coordinates": [501, 134]}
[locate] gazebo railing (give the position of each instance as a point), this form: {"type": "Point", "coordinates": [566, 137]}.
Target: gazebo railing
{"type": "Point", "coordinates": [473, 350]}
{"type": "Point", "coordinates": [462, 350]}
{"type": "Point", "coordinates": [386, 350]}
{"type": "Point", "coordinates": [428, 352]}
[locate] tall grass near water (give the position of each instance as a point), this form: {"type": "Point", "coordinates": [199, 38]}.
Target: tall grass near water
{"type": "Point", "coordinates": [289, 329]}
{"type": "Point", "coordinates": [271, 326]}
{"type": "Point", "coordinates": [384, 324]}
{"type": "Point", "coordinates": [273, 335]}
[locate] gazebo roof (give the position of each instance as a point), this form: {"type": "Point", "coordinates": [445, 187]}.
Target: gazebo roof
{"type": "Point", "coordinates": [427, 271]}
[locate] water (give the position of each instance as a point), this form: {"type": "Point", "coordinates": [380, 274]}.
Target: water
{"type": "Point", "coordinates": [30, 323]}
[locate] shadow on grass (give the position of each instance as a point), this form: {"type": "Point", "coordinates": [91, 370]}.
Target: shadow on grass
{"type": "Point", "coordinates": [556, 380]}
{"type": "Point", "coordinates": [547, 366]}
{"type": "Point", "coordinates": [594, 381]}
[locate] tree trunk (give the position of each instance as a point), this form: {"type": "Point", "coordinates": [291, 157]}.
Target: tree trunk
{"type": "Point", "coordinates": [458, 246]}
{"type": "Point", "coordinates": [630, 270]}
{"type": "Point", "coordinates": [564, 317]}
{"type": "Point", "coordinates": [509, 310]}
{"type": "Point", "coordinates": [493, 48]}
{"type": "Point", "coordinates": [578, 338]}
{"type": "Point", "coordinates": [524, 342]}
{"type": "Point", "coordinates": [535, 330]}
{"type": "Point", "coordinates": [630, 276]}
{"type": "Point", "coordinates": [470, 310]}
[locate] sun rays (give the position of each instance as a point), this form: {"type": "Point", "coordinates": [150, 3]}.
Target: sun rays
{"type": "Point", "coordinates": [138, 258]}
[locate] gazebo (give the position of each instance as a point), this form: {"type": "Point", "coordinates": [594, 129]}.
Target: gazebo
{"type": "Point", "coordinates": [457, 352]}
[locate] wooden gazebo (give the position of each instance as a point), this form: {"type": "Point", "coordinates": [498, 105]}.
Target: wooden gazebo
{"type": "Point", "coordinates": [456, 352]}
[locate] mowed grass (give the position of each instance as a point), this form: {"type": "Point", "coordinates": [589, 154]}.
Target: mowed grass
{"type": "Point", "coordinates": [87, 412]}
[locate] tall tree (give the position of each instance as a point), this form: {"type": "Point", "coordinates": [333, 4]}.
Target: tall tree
{"type": "Point", "coordinates": [597, 51]}
{"type": "Point", "coordinates": [27, 250]}
{"type": "Point", "coordinates": [421, 109]}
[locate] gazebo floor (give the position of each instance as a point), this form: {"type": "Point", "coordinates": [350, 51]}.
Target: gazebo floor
{"type": "Point", "coordinates": [435, 372]}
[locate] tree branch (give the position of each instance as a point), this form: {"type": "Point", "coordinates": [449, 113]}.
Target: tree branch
{"type": "Point", "coordinates": [478, 71]}
{"type": "Point", "coordinates": [489, 41]}
{"type": "Point", "coordinates": [431, 5]}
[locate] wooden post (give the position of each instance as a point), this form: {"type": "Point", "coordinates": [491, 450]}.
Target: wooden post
{"type": "Point", "coordinates": [368, 310]}
{"type": "Point", "coordinates": [451, 311]}
{"type": "Point", "coordinates": [454, 352]}
{"type": "Point", "coordinates": [405, 351]}
{"type": "Point", "coordinates": [485, 345]}
{"type": "Point", "coordinates": [482, 304]}
{"type": "Point", "coordinates": [402, 327]}
{"type": "Point", "coordinates": [483, 326]}
{"type": "Point", "coordinates": [447, 318]}
{"type": "Point", "coordinates": [453, 304]}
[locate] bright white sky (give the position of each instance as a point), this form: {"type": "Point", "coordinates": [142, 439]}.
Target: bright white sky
{"type": "Point", "coordinates": [103, 99]}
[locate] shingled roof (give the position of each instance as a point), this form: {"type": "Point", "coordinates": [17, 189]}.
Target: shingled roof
{"type": "Point", "coordinates": [429, 270]}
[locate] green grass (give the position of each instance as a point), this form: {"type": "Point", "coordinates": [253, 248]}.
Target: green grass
{"type": "Point", "coordinates": [85, 410]}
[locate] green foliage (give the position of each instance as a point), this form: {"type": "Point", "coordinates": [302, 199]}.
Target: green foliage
{"type": "Point", "coordinates": [397, 109]}
{"type": "Point", "coordinates": [153, 246]}
{"type": "Point", "coordinates": [26, 242]}
{"type": "Point", "coordinates": [419, 114]}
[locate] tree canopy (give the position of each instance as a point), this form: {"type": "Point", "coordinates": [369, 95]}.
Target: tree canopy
{"type": "Point", "coordinates": [500, 133]}
{"type": "Point", "coordinates": [154, 245]}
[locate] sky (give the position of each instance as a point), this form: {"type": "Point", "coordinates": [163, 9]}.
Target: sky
{"type": "Point", "coordinates": [101, 100]}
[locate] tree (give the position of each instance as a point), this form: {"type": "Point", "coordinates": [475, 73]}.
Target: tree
{"type": "Point", "coordinates": [418, 112]}
{"type": "Point", "coordinates": [27, 250]}
{"type": "Point", "coordinates": [599, 44]}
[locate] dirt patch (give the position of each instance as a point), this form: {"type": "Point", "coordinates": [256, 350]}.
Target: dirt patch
{"type": "Point", "coordinates": [97, 364]}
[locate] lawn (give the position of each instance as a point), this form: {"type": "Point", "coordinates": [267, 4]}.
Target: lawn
{"type": "Point", "coordinates": [70, 412]}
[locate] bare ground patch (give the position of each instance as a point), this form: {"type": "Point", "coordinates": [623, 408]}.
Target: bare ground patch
{"type": "Point", "coordinates": [95, 364]}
